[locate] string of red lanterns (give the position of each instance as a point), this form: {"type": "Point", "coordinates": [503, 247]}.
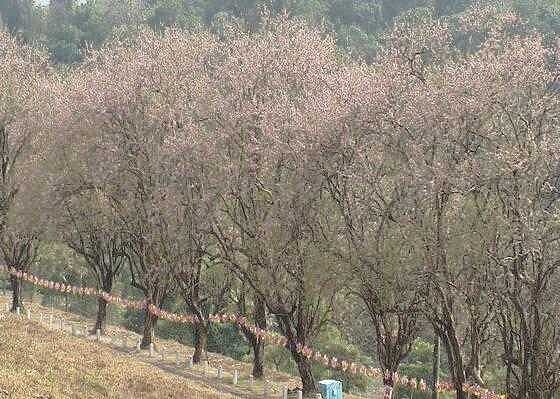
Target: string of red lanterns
{"type": "Point", "coordinates": [267, 336]}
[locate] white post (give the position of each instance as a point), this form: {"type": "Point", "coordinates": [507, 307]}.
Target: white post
{"type": "Point", "coordinates": [162, 355]}
{"type": "Point", "coordinates": [251, 379]}
{"type": "Point", "coordinates": [28, 314]}
{"type": "Point", "coordinates": [177, 358]}
{"type": "Point", "coordinates": [284, 393]}
{"type": "Point", "coordinates": [98, 335]}
{"type": "Point", "coordinates": [235, 377]}
{"type": "Point", "coordinates": [138, 345]}
{"type": "Point", "coordinates": [220, 372]}
{"type": "Point", "coordinates": [61, 323]}
{"type": "Point", "coordinates": [50, 321]}
{"type": "Point", "coordinates": [190, 363]}
{"type": "Point", "coordinates": [40, 318]}
{"type": "Point", "coordinates": [18, 312]}
{"type": "Point", "coordinates": [151, 349]}
{"type": "Point", "coordinates": [299, 394]}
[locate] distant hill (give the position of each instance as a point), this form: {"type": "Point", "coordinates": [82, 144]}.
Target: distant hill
{"type": "Point", "coordinates": [358, 25]}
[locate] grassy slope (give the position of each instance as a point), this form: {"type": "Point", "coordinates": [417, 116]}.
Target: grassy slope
{"type": "Point", "coordinates": [38, 363]}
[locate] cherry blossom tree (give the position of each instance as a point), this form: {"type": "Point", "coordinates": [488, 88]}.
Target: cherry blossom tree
{"type": "Point", "coordinates": [25, 88]}
{"type": "Point", "coordinates": [200, 276]}
{"type": "Point", "coordinates": [521, 176]}
{"type": "Point", "coordinates": [253, 307]}
{"type": "Point", "coordinates": [422, 120]}
{"type": "Point", "coordinates": [424, 183]}
{"type": "Point", "coordinates": [138, 102]}
{"type": "Point", "coordinates": [371, 189]}
{"type": "Point", "coordinates": [275, 225]}
{"type": "Point", "coordinates": [372, 201]}
{"type": "Point", "coordinates": [90, 229]}
{"type": "Point", "coordinates": [457, 119]}
{"type": "Point", "coordinates": [20, 240]}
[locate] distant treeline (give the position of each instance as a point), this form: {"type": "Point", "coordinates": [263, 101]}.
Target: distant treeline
{"type": "Point", "coordinates": [68, 27]}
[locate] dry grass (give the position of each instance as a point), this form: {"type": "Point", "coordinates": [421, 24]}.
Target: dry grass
{"type": "Point", "coordinates": [37, 363]}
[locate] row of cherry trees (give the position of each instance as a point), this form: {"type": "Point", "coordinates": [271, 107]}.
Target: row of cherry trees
{"type": "Point", "coordinates": [424, 185]}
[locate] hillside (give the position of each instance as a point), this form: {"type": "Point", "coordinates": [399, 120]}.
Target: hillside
{"type": "Point", "coordinates": [37, 363]}
{"type": "Point", "coordinates": [41, 362]}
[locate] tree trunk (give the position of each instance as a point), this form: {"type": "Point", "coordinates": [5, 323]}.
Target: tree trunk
{"type": "Point", "coordinates": [200, 341]}
{"type": "Point", "coordinates": [388, 385]}
{"type": "Point", "coordinates": [258, 352]}
{"type": "Point", "coordinates": [387, 391]}
{"type": "Point", "coordinates": [309, 386]}
{"type": "Point", "coordinates": [435, 368]}
{"type": "Point", "coordinates": [454, 355]}
{"type": "Point", "coordinates": [149, 325]}
{"type": "Point", "coordinates": [509, 367]}
{"type": "Point", "coordinates": [474, 372]}
{"type": "Point", "coordinates": [258, 344]}
{"type": "Point", "coordinates": [258, 359]}
{"type": "Point", "coordinates": [456, 368]}
{"type": "Point", "coordinates": [101, 315]}
{"type": "Point", "coordinates": [17, 300]}
{"type": "Point", "coordinates": [459, 377]}
{"type": "Point", "coordinates": [102, 304]}
{"type": "Point", "coordinates": [459, 393]}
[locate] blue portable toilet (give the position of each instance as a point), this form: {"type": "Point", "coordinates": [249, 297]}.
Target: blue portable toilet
{"type": "Point", "coordinates": [331, 389]}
